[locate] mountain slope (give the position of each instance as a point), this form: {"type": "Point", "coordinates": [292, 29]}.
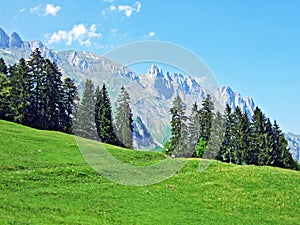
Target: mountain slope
{"type": "Point", "coordinates": [151, 93]}
{"type": "Point", "coordinates": [45, 180]}
{"type": "Point", "coordinates": [294, 144]}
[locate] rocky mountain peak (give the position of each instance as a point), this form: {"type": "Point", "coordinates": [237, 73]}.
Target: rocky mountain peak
{"type": "Point", "coordinates": [15, 41]}
{"type": "Point", "coordinates": [155, 71]}
{"type": "Point", "coordinates": [4, 39]}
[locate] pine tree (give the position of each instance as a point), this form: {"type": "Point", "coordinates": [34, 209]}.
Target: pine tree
{"type": "Point", "coordinates": [258, 153]}
{"type": "Point", "coordinates": [69, 101]}
{"type": "Point", "coordinates": [103, 117]}
{"type": "Point", "coordinates": [227, 148]}
{"type": "Point", "coordinates": [266, 156]}
{"type": "Point", "coordinates": [238, 135]}
{"type": "Point", "coordinates": [21, 86]}
{"type": "Point", "coordinates": [5, 90]}
{"type": "Point", "coordinates": [206, 115]}
{"type": "Point", "coordinates": [216, 137]}
{"type": "Point", "coordinates": [179, 138]}
{"type": "Point", "coordinates": [38, 76]}
{"type": "Point", "coordinates": [281, 154]}
{"type": "Point", "coordinates": [52, 96]}
{"type": "Point", "coordinates": [3, 67]}
{"type": "Point", "coordinates": [124, 121]}
{"type": "Point", "coordinates": [245, 138]}
{"type": "Point", "coordinates": [85, 126]}
{"type": "Point", "coordinates": [193, 127]}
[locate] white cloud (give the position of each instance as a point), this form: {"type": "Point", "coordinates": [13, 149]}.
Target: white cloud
{"type": "Point", "coordinates": [35, 9]}
{"type": "Point", "coordinates": [47, 10]}
{"type": "Point", "coordinates": [112, 7]}
{"type": "Point", "coordinates": [127, 9]}
{"type": "Point", "coordinates": [150, 35]}
{"type": "Point", "coordinates": [22, 10]}
{"type": "Point", "coordinates": [138, 6]}
{"type": "Point", "coordinates": [51, 9]}
{"type": "Point", "coordinates": [80, 33]}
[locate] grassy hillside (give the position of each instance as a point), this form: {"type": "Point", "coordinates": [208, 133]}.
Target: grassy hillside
{"type": "Point", "coordinates": [45, 180]}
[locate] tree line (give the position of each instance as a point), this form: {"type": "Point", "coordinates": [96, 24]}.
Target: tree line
{"type": "Point", "coordinates": [32, 93]}
{"type": "Point", "coordinates": [95, 118]}
{"type": "Point", "coordinates": [233, 137]}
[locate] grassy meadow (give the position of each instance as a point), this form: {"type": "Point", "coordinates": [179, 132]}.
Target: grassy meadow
{"type": "Point", "coordinates": [45, 180]}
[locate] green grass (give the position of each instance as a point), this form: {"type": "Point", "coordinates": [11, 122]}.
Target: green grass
{"type": "Point", "coordinates": [56, 186]}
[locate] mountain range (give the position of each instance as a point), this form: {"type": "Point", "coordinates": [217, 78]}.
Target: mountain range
{"type": "Point", "coordinates": [151, 93]}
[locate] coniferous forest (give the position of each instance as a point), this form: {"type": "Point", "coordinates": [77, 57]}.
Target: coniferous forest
{"type": "Point", "coordinates": [233, 137]}
{"type": "Point", "coordinates": [32, 93]}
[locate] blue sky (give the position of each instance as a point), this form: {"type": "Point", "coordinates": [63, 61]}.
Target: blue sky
{"type": "Point", "coordinates": [252, 46]}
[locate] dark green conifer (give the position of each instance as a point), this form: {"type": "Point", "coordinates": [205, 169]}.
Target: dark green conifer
{"type": "Point", "coordinates": [103, 117]}
{"type": "Point", "coordinates": [124, 121]}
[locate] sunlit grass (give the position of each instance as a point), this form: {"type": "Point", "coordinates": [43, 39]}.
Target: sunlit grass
{"type": "Point", "coordinates": [45, 180]}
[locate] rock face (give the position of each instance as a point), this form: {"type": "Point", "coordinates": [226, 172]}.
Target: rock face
{"type": "Point", "coordinates": [15, 41]}
{"type": "Point", "coordinates": [294, 144]}
{"type": "Point", "coordinates": [4, 39]}
{"type": "Point", "coordinates": [225, 95]}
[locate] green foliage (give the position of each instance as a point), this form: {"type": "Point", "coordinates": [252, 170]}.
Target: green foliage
{"type": "Point", "coordinates": [5, 91]}
{"type": "Point", "coordinates": [227, 148]}
{"type": "Point", "coordinates": [86, 126]}
{"type": "Point", "coordinates": [103, 117]}
{"type": "Point", "coordinates": [3, 67]}
{"type": "Point", "coordinates": [69, 104]}
{"type": "Point", "coordinates": [21, 87]}
{"type": "Point", "coordinates": [124, 121]}
{"type": "Point", "coordinates": [166, 148]}
{"type": "Point", "coordinates": [201, 148]}
{"type": "Point", "coordinates": [56, 186]}
{"type": "Point", "coordinates": [205, 117]}
{"type": "Point", "coordinates": [194, 127]}
{"type": "Point", "coordinates": [179, 131]}
{"type": "Point", "coordinates": [216, 137]}
{"type": "Point", "coordinates": [33, 94]}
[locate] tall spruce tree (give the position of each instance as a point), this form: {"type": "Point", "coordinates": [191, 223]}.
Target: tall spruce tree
{"type": "Point", "coordinates": [245, 138]}
{"type": "Point", "coordinates": [206, 115]}
{"type": "Point", "coordinates": [103, 117]}
{"type": "Point", "coordinates": [281, 154]}
{"type": "Point", "coordinates": [52, 96]}
{"type": "Point", "coordinates": [124, 121]}
{"type": "Point", "coordinates": [258, 150]}
{"type": "Point", "coordinates": [216, 137]}
{"type": "Point", "coordinates": [179, 145]}
{"type": "Point", "coordinates": [21, 86]}
{"type": "Point", "coordinates": [5, 90]}
{"type": "Point", "coordinates": [237, 135]}
{"type": "Point", "coordinates": [69, 101]}
{"type": "Point", "coordinates": [3, 67]}
{"type": "Point", "coordinates": [227, 148]}
{"type": "Point", "coordinates": [38, 76]}
{"type": "Point", "coordinates": [194, 127]}
{"type": "Point", "coordinates": [85, 126]}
